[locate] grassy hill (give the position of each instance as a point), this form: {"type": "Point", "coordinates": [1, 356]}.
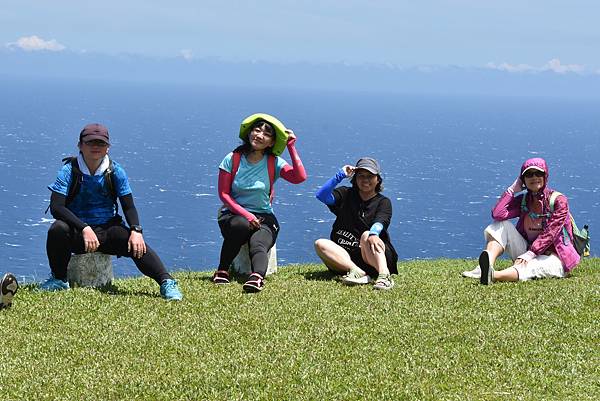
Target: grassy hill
{"type": "Point", "coordinates": [435, 336]}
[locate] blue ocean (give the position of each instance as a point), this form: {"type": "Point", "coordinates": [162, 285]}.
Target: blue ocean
{"type": "Point", "coordinates": [445, 160]}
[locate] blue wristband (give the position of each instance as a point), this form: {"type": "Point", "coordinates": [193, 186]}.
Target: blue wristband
{"type": "Point", "coordinates": [376, 229]}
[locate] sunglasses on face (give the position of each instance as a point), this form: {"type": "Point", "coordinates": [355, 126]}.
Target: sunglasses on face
{"type": "Point", "coordinates": [96, 142]}
{"type": "Point", "coordinates": [531, 173]}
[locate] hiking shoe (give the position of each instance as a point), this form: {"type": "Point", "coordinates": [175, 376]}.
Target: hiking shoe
{"type": "Point", "coordinates": [255, 283]}
{"type": "Point", "coordinates": [475, 273]}
{"type": "Point", "coordinates": [487, 271]}
{"type": "Point", "coordinates": [221, 277]}
{"type": "Point", "coordinates": [169, 290]}
{"type": "Point", "coordinates": [54, 284]}
{"type": "Point", "coordinates": [356, 277]}
{"type": "Point", "coordinates": [383, 282]}
{"type": "Point", "coordinates": [8, 289]}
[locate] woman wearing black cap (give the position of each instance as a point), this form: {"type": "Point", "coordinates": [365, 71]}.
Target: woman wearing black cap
{"type": "Point", "coordinates": [360, 245]}
{"type": "Point", "coordinates": [84, 204]}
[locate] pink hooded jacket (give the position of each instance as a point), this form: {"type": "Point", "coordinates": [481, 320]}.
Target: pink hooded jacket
{"type": "Point", "coordinates": [509, 206]}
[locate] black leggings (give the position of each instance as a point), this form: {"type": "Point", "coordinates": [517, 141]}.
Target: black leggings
{"type": "Point", "coordinates": [236, 232]}
{"type": "Point", "coordinates": [63, 240]}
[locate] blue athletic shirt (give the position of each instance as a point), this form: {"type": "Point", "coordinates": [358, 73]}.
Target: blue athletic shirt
{"type": "Point", "coordinates": [250, 187]}
{"type": "Point", "coordinates": [93, 204]}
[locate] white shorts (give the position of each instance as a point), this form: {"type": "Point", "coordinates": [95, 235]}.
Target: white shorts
{"type": "Point", "coordinates": [542, 266]}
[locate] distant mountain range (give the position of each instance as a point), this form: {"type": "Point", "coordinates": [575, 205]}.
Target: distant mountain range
{"type": "Point", "coordinates": [332, 76]}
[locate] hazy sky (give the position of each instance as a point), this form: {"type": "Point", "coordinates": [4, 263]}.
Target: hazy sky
{"type": "Point", "coordinates": [521, 34]}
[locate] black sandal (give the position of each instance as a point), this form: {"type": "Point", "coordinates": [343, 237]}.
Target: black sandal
{"type": "Point", "coordinates": [221, 277]}
{"type": "Point", "coordinates": [255, 283]}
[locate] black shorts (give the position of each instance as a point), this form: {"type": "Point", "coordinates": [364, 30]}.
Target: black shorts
{"type": "Point", "coordinates": [390, 258]}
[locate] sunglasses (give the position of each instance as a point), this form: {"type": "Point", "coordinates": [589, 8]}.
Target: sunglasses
{"type": "Point", "coordinates": [531, 173]}
{"type": "Point", "coordinates": [96, 142]}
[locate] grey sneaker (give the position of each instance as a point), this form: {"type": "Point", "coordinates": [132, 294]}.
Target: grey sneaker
{"type": "Point", "coordinates": [487, 271]}
{"type": "Point", "coordinates": [356, 277]}
{"type": "Point", "coordinates": [475, 273]}
{"type": "Point", "coordinates": [8, 289]}
{"type": "Point", "coordinates": [383, 282]}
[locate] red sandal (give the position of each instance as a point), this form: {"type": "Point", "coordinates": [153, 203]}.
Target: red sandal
{"type": "Point", "coordinates": [255, 283]}
{"type": "Point", "coordinates": [221, 277]}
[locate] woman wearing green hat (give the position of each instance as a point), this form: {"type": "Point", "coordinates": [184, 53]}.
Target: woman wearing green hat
{"type": "Point", "coordinates": [246, 178]}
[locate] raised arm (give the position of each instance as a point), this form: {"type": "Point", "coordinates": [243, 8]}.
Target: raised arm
{"type": "Point", "coordinates": [508, 206]}
{"type": "Point", "coordinates": [325, 193]}
{"type": "Point", "coordinates": [294, 173]}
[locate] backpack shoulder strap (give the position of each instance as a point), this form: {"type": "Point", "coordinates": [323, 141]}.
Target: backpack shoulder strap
{"type": "Point", "coordinates": [553, 197]}
{"type": "Point", "coordinates": [109, 179]}
{"type": "Point", "coordinates": [271, 168]}
{"type": "Point", "coordinates": [109, 182]}
{"type": "Point", "coordinates": [235, 164]}
{"type": "Point", "coordinates": [524, 207]}
{"type": "Point", "coordinates": [76, 177]}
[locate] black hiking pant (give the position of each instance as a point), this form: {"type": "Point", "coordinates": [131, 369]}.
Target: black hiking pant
{"type": "Point", "coordinates": [64, 240]}
{"type": "Point", "coordinates": [237, 232]}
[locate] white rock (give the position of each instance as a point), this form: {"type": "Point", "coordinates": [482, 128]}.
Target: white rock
{"type": "Point", "coordinates": [242, 265]}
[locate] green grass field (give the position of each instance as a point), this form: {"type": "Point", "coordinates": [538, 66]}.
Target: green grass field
{"type": "Point", "coordinates": [435, 336]}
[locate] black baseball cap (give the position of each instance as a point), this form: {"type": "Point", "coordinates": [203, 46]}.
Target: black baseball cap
{"type": "Point", "coordinates": [94, 131]}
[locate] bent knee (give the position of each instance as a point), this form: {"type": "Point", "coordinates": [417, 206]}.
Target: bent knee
{"type": "Point", "coordinates": [497, 224]}
{"type": "Point", "coordinates": [321, 244]}
{"type": "Point", "coordinates": [59, 228]}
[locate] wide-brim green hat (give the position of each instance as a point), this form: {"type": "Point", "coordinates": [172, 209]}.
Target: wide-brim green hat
{"type": "Point", "coordinates": [281, 137]}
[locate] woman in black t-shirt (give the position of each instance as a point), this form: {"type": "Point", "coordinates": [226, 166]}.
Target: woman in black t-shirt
{"type": "Point", "coordinates": [360, 245]}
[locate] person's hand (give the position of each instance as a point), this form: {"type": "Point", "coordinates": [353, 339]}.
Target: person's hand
{"type": "Point", "coordinates": [349, 170]}
{"type": "Point", "coordinates": [375, 243]}
{"type": "Point", "coordinates": [516, 186]}
{"type": "Point", "coordinates": [90, 240]}
{"type": "Point", "coordinates": [136, 244]}
{"type": "Point", "coordinates": [253, 221]}
{"type": "Point", "coordinates": [291, 137]}
{"type": "Point", "coordinates": [255, 224]}
{"type": "Point", "coordinates": [520, 262]}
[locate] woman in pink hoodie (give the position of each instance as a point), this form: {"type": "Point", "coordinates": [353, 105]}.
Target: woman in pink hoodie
{"type": "Point", "coordinates": [536, 244]}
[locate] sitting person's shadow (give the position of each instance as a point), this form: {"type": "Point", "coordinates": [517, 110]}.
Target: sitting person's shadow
{"type": "Point", "coordinates": [322, 275]}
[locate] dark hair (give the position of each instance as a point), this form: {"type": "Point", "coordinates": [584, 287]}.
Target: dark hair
{"type": "Point", "coordinates": [378, 187]}
{"type": "Point", "coordinates": [246, 148]}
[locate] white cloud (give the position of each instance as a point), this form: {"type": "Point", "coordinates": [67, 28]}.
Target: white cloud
{"type": "Point", "coordinates": [511, 67]}
{"type": "Point", "coordinates": [35, 43]}
{"type": "Point", "coordinates": [556, 66]}
{"type": "Point", "coordinates": [553, 65]}
{"type": "Point", "coordinates": [187, 54]}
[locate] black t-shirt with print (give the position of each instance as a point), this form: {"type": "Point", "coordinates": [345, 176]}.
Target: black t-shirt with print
{"type": "Point", "coordinates": [355, 216]}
